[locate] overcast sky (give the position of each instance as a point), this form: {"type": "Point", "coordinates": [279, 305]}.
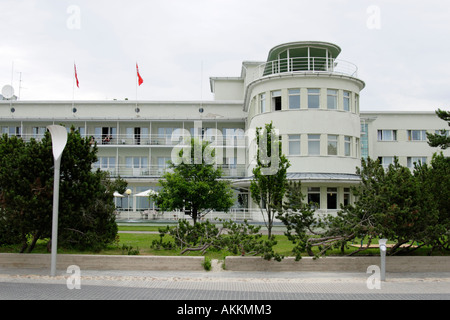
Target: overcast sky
{"type": "Point", "coordinates": [401, 48]}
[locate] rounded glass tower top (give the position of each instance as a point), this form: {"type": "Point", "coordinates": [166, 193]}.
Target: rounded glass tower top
{"type": "Point", "coordinates": [307, 56]}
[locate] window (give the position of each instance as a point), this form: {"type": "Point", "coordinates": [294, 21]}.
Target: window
{"type": "Point", "coordinates": [387, 135]}
{"type": "Point", "coordinates": [294, 98]}
{"type": "Point", "coordinates": [314, 144]}
{"type": "Point", "coordinates": [347, 100]}
{"type": "Point", "coordinates": [105, 164]}
{"type": "Point", "coordinates": [332, 145]}
{"type": "Point", "coordinates": [417, 135]}
{"type": "Point", "coordinates": [386, 161]}
{"type": "Point", "coordinates": [442, 132]}
{"type": "Point", "coordinates": [38, 132]}
{"type": "Point", "coordinates": [332, 96]}
{"type": "Point", "coordinates": [276, 100]}
{"type": "Point", "coordinates": [331, 198]}
{"type": "Point", "coordinates": [105, 134]}
{"type": "Point", "coordinates": [82, 131]}
{"type": "Point", "coordinates": [410, 161]}
{"type": "Point", "coordinates": [12, 131]}
{"type": "Point", "coordinates": [357, 147]}
{"type": "Point", "coordinates": [314, 197]}
{"type": "Point", "coordinates": [356, 103]}
{"type": "Point", "coordinates": [163, 163]}
{"type": "Point", "coordinates": [136, 162]}
{"type": "Point", "coordinates": [262, 102]}
{"type": "Point", "coordinates": [347, 146]}
{"type": "Point", "coordinates": [313, 98]}
{"type": "Point", "coordinates": [294, 144]}
{"type": "Point", "coordinates": [164, 135]}
{"type": "Point", "coordinates": [346, 196]}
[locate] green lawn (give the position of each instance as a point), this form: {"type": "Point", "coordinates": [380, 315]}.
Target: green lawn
{"type": "Point", "coordinates": [143, 241]}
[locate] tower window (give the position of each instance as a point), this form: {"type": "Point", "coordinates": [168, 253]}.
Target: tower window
{"type": "Point", "coordinates": [347, 100]}
{"type": "Point", "coordinates": [276, 100]}
{"type": "Point", "coordinates": [314, 144]}
{"type": "Point", "coordinates": [332, 99]}
{"type": "Point", "coordinates": [313, 98]}
{"type": "Point", "coordinates": [294, 98]}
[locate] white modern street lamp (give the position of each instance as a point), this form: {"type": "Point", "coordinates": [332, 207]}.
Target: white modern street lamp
{"type": "Point", "coordinates": [59, 140]}
{"type": "Point", "coordinates": [128, 192]}
{"type": "Point", "coordinates": [382, 245]}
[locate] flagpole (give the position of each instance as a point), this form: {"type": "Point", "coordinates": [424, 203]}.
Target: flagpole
{"type": "Point", "coordinates": [137, 80]}
{"type": "Point", "coordinates": [73, 87]}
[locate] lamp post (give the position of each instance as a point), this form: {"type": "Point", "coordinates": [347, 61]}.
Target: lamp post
{"type": "Point", "coordinates": [382, 245]}
{"type": "Point", "coordinates": [128, 192]}
{"type": "Point", "coordinates": [59, 140]}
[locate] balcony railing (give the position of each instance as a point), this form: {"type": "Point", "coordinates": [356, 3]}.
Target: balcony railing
{"type": "Point", "coordinates": [305, 65]}
{"type": "Point", "coordinates": [228, 170]}
{"type": "Point", "coordinates": [147, 139]}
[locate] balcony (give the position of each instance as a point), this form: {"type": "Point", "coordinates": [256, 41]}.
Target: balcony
{"type": "Point", "coordinates": [157, 171]}
{"type": "Point", "coordinates": [149, 139]}
{"type": "Point", "coordinates": [304, 65]}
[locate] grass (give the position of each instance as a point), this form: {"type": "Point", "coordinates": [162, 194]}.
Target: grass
{"type": "Point", "coordinates": [143, 241]}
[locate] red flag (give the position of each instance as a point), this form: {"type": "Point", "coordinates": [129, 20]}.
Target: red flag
{"type": "Point", "coordinates": [76, 75]}
{"type": "Point", "coordinates": [140, 80]}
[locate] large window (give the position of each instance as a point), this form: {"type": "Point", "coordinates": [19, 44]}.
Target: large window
{"type": "Point", "coordinates": [387, 135]}
{"type": "Point", "coordinates": [313, 98]}
{"type": "Point", "coordinates": [417, 135]}
{"type": "Point", "coordinates": [314, 144]}
{"type": "Point", "coordinates": [294, 98]}
{"type": "Point", "coordinates": [332, 98]}
{"type": "Point", "coordinates": [332, 145]}
{"type": "Point", "coordinates": [294, 144]}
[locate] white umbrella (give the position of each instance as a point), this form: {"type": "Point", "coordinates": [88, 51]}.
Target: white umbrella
{"type": "Point", "coordinates": [146, 193]}
{"type": "Point", "coordinates": [117, 194]}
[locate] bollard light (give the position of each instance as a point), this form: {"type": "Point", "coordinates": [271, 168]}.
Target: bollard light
{"type": "Point", "coordinates": [382, 245]}
{"type": "Point", "coordinates": [59, 140]}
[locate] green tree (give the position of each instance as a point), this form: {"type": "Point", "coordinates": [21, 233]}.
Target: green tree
{"type": "Point", "coordinates": [389, 203]}
{"type": "Point", "coordinates": [299, 219]}
{"type": "Point", "coordinates": [434, 180]}
{"type": "Point", "coordinates": [194, 185]}
{"type": "Point", "coordinates": [86, 208]}
{"type": "Point", "coordinates": [441, 139]}
{"type": "Point", "coordinates": [269, 183]}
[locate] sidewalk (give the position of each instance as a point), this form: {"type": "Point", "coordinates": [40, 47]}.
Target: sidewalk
{"type": "Point", "coordinates": [220, 284]}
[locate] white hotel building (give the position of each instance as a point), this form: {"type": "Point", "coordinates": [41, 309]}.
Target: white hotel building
{"type": "Point", "coordinates": [310, 95]}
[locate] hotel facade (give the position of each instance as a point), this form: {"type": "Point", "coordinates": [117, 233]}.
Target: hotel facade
{"type": "Point", "coordinates": [304, 89]}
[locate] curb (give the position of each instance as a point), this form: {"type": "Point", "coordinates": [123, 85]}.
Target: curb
{"type": "Point", "coordinates": [232, 263]}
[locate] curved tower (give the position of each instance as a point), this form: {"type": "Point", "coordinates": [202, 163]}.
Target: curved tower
{"type": "Point", "coordinates": [312, 98]}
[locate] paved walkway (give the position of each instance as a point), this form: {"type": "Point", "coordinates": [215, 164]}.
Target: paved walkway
{"type": "Point", "coordinates": [219, 285]}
